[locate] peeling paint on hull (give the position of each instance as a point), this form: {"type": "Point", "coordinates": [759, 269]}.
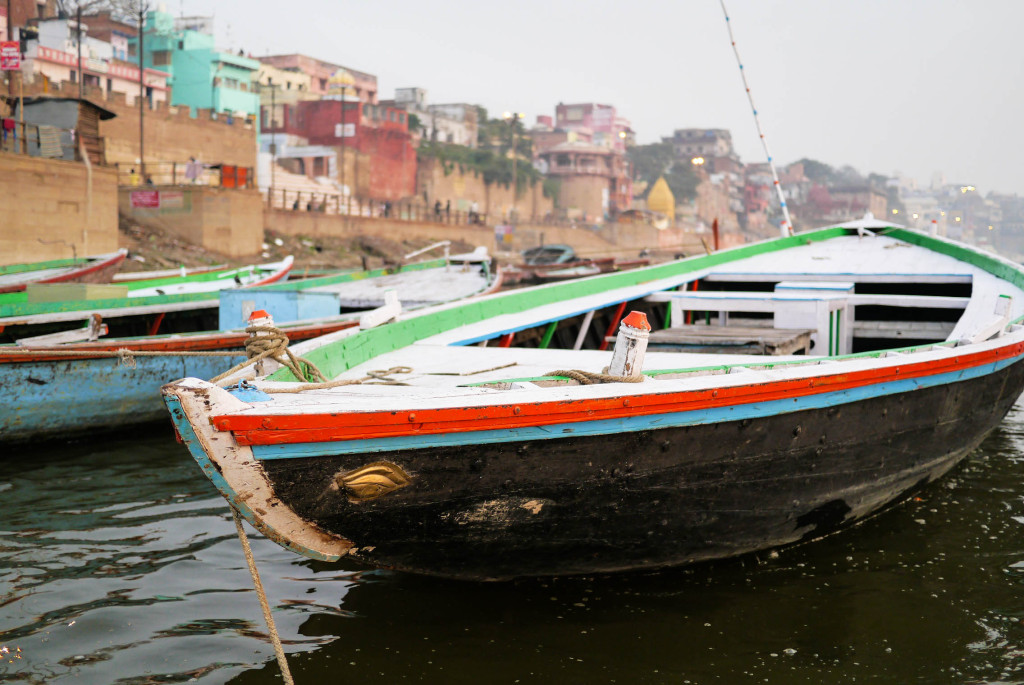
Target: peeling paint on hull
{"type": "Point", "coordinates": [61, 399]}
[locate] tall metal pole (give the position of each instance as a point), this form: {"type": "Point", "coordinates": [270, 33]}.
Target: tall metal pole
{"type": "Point", "coordinates": [515, 177]}
{"type": "Point", "coordinates": [142, 90]}
{"type": "Point", "coordinates": [10, 36]}
{"type": "Point", "coordinates": [78, 41]}
{"type": "Point", "coordinates": [273, 140]}
{"type": "Point", "coordinates": [342, 96]}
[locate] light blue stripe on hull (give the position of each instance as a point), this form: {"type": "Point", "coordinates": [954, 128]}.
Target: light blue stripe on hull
{"type": "Point", "coordinates": [47, 400]}
{"type": "Point", "coordinates": [698, 417]}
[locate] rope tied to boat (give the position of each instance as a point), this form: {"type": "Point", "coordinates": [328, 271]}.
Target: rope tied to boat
{"type": "Point", "coordinates": [590, 378]}
{"type": "Point", "coordinates": [382, 377]}
{"type": "Point", "coordinates": [270, 342]}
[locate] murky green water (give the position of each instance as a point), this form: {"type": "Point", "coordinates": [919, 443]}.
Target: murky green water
{"type": "Point", "coordinates": [119, 564]}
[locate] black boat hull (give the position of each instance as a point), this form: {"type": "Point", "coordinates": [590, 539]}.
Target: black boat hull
{"type": "Point", "coordinates": [653, 498]}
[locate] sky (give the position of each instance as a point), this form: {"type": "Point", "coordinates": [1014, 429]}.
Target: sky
{"type": "Point", "coordinates": [915, 87]}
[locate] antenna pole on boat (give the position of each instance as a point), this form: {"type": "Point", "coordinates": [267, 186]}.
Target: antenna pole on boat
{"type": "Point", "coordinates": [787, 226]}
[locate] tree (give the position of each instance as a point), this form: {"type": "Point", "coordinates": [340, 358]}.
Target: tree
{"type": "Point", "coordinates": [659, 159]}
{"type": "Point", "coordinates": [819, 172]}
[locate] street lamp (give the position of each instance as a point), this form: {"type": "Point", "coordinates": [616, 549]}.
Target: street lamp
{"type": "Point", "coordinates": [339, 83]}
{"type": "Point", "coordinates": [272, 125]}
{"type": "Point", "coordinates": [697, 161]}
{"type": "Point", "coordinates": [512, 118]}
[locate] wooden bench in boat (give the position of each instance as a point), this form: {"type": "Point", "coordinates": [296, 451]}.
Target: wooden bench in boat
{"type": "Point", "coordinates": [826, 307]}
{"type": "Point", "coordinates": [731, 339]}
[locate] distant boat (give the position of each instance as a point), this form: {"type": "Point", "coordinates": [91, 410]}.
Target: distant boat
{"type": "Point", "coordinates": [128, 276]}
{"type": "Point", "coordinates": [555, 262]}
{"type": "Point", "coordinates": [46, 308]}
{"type": "Point", "coordinates": [61, 390]}
{"type": "Point", "coordinates": [515, 447]}
{"type": "Point", "coordinates": [97, 269]}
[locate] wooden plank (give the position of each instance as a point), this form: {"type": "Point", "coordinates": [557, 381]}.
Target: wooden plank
{"type": "Point", "coordinates": [733, 339]}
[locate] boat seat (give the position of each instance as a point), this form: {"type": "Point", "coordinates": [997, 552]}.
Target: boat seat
{"type": "Point", "coordinates": [822, 311]}
{"type": "Point", "coordinates": [731, 339]}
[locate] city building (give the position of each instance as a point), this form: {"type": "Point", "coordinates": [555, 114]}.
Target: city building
{"type": "Point", "coordinates": [595, 180]}
{"type": "Point", "coordinates": [708, 143]}
{"type": "Point", "coordinates": [24, 11]}
{"type": "Point", "coordinates": [453, 124]}
{"type": "Point", "coordinates": [102, 26]}
{"type": "Point", "coordinates": [201, 76]}
{"type": "Point", "coordinates": [596, 123]}
{"type": "Point", "coordinates": [53, 58]}
{"type": "Point", "coordinates": [284, 85]}
{"type": "Point", "coordinates": [364, 86]}
{"type": "Point", "coordinates": [310, 132]}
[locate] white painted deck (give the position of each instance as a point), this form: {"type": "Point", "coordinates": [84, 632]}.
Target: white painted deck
{"type": "Point", "coordinates": [414, 288]}
{"type": "Point", "coordinates": [444, 364]}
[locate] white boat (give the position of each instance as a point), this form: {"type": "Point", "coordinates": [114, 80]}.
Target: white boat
{"type": "Point", "coordinates": [502, 437]}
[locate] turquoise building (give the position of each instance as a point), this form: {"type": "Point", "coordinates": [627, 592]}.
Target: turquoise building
{"type": "Point", "coordinates": [201, 76]}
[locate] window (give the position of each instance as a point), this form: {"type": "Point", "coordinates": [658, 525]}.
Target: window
{"type": "Point", "coordinates": [401, 117]}
{"type": "Point", "coordinates": [161, 58]}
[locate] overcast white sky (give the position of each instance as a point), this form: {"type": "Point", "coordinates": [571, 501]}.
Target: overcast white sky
{"type": "Point", "coordinates": [910, 86]}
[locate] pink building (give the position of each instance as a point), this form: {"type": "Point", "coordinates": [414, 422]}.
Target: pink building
{"type": "Point", "coordinates": [599, 123]}
{"type": "Point", "coordinates": [320, 72]}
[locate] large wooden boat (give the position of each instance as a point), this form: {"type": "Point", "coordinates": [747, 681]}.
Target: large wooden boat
{"type": "Point", "coordinates": [896, 353]}
{"type": "Point", "coordinates": [63, 390]}
{"type": "Point", "coordinates": [95, 269]}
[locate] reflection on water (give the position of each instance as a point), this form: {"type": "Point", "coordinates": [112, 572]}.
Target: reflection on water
{"type": "Point", "coordinates": [119, 563]}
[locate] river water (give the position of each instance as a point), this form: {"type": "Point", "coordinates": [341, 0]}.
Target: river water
{"type": "Point", "coordinates": [119, 564]}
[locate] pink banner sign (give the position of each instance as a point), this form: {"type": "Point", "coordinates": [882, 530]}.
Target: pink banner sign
{"type": "Point", "coordinates": [10, 55]}
{"type": "Point", "coordinates": [146, 199]}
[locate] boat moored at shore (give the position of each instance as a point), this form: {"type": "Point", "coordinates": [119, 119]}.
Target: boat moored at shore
{"type": "Point", "coordinates": [489, 440]}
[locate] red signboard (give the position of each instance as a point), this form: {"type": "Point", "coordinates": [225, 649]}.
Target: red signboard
{"type": "Point", "coordinates": [10, 55]}
{"type": "Point", "coordinates": [146, 198]}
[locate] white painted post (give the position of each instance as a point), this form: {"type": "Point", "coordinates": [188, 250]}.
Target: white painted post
{"type": "Point", "coordinates": [260, 317]}
{"type": "Point", "coordinates": [630, 346]}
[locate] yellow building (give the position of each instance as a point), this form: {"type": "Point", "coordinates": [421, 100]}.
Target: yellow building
{"type": "Point", "coordinates": [660, 199]}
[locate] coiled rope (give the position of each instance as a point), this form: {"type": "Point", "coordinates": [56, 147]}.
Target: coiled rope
{"type": "Point", "coordinates": [589, 378]}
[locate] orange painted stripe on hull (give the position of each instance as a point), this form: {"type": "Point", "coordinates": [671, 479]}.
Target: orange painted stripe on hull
{"type": "Point", "coordinates": [295, 428]}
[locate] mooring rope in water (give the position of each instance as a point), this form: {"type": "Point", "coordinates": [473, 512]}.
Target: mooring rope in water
{"type": "Point", "coordinates": [264, 604]}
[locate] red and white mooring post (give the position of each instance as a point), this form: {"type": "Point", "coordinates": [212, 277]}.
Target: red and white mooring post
{"type": "Point", "coordinates": [630, 346]}
{"type": "Point", "coordinates": [260, 317]}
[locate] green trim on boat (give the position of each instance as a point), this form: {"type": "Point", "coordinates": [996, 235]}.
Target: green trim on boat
{"type": "Point", "coordinates": [350, 276]}
{"type": "Point", "coordinates": [39, 266]}
{"type": "Point", "coordinates": [344, 354]}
